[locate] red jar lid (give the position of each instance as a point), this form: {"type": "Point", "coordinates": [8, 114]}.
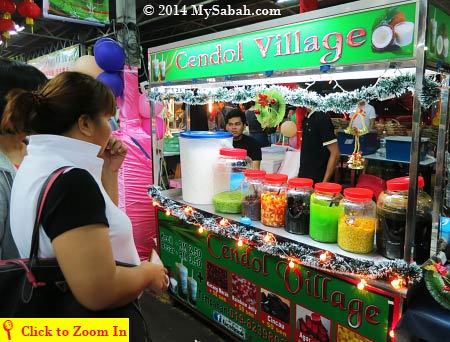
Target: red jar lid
{"type": "Point", "coordinates": [358, 194]}
{"type": "Point", "coordinates": [275, 178]}
{"type": "Point", "coordinates": [300, 182]}
{"type": "Point", "coordinates": [328, 187]}
{"type": "Point", "coordinates": [233, 152]}
{"type": "Point", "coordinates": [402, 183]}
{"type": "Point", "coordinates": [254, 173]}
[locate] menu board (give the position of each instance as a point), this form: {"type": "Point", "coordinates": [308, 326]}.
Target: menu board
{"type": "Point", "coordinates": [256, 296]}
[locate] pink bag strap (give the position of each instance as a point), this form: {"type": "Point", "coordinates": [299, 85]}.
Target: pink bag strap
{"type": "Point", "coordinates": [40, 205]}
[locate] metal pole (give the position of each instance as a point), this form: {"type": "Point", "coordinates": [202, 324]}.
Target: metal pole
{"type": "Point", "coordinates": [440, 163]}
{"type": "Point", "coordinates": [421, 16]}
{"type": "Point", "coordinates": [126, 33]}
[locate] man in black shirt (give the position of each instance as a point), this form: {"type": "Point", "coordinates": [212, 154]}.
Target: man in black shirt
{"type": "Point", "coordinates": [320, 151]}
{"type": "Point", "coordinates": [235, 124]}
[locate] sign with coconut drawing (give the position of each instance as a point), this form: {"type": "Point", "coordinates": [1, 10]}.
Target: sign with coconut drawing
{"type": "Point", "coordinates": [378, 34]}
{"type": "Point", "coordinates": [438, 34]}
{"type": "Point", "coordinates": [257, 296]}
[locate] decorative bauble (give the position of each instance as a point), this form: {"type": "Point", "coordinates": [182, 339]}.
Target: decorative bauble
{"type": "Point", "coordinates": [109, 55]}
{"type": "Point", "coordinates": [113, 81]}
{"type": "Point", "coordinates": [87, 65]}
{"type": "Point", "coordinates": [288, 129]}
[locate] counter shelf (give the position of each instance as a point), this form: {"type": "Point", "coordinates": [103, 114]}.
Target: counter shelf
{"type": "Point", "coordinates": [252, 290]}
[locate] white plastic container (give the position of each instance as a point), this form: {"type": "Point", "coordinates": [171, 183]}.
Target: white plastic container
{"type": "Point", "coordinates": [199, 150]}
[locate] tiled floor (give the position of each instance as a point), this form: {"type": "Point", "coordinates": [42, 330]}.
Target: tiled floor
{"type": "Point", "coordinates": [171, 322]}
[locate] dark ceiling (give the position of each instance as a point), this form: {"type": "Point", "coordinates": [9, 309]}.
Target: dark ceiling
{"type": "Point", "coordinates": [50, 35]}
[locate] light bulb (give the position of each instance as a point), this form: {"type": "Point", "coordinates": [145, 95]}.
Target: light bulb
{"type": "Point", "coordinates": [361, 285]}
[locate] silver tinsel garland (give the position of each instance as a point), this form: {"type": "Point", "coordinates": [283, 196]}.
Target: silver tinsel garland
{"type": "Point", "coordinates": [340, 102]}
{"type": "Point", "coordinates": [295, 251]}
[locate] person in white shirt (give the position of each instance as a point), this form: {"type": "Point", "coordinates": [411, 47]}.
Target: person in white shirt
{"type": "Point", "coordinates": [81, 226]}
{"type": "Point", "coordinates": [368, 114]}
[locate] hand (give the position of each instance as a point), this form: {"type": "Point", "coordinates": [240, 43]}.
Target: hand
{"type": "Point", "coordinates": [114, 154]}
{"type": "Point", "coordinates": [160, 279]}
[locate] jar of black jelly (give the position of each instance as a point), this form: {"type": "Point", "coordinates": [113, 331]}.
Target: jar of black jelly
{"type": "Point", "coordinates": [297, 205]}
{"type": "Point", "coordinates": [391, 213]}
{"type": "Point", "coordinates": [251, 188]}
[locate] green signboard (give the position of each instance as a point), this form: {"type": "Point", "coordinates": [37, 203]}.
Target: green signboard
{"type": "Point", "coordinates": [94, 12]}
{"type": "Point", "coordinates": [381, 34]}
{"type": "Point", "coordinates": [438, 35]}
{"type": "Point", "coordinates": [257, 297]}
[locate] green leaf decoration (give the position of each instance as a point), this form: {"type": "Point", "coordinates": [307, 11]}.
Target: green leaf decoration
{"type": "Point", "coordinates": [270, 106]}
{"type": "Point", "coordinates": [435, 284]}
{"type": "Point", "coordinates": [386, 17]}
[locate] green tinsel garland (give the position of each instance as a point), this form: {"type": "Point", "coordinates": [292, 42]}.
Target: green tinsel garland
{"type": "Point", "coordinates": [384, 89]}
{"type": "Point", "coordinates": [306, 255]}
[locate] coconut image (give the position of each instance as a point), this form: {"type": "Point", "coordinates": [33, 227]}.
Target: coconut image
{"type": "Point", "coordinates": [382, 37]}
{"type": "Point", "coordinates": [404, 33]}
{"type": "Point", "coordinates": [440, 45]}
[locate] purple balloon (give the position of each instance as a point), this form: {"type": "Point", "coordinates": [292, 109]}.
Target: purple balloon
{"type": "Point", "coordinates": [113, 81]}
{"type": "Point", "coordinates": [109, 55]}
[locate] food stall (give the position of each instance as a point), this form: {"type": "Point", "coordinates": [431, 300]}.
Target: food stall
{"type": "Point", "coordinates": [261, 283]}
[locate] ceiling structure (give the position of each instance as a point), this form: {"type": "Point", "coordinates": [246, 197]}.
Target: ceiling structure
{"type": "Point", "coordinates": [50, 35]}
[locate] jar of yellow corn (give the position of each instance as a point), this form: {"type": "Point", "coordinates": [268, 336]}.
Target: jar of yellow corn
{"type": "Point", "coordinates": [357, 224]}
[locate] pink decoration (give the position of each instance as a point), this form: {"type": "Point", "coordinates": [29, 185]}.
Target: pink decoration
{"type": "Point", "coordinates": [144, 106]}
{"type": "Point", "coordinates": [160, 128]}
{"type": "Point", "coordinates": [136, 172]}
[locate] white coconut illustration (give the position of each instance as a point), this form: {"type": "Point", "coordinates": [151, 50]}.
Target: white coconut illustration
{"type": "Point", "coordinates": [404, 33]}
{"type": "Point", "coordinates": [440, 45]}
{"type": "Point", "coordinates": [382, 37]}
{"type": "Point", "coordinates": [446, 47]}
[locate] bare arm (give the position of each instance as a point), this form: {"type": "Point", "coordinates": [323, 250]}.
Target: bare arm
{"type": "Point", "coordinates": [86, 259]}
{"type": "Point", "coordinates": [256, 164]}
{"type": "Point", "coordinates": [372, 123]}
{"type": "Point", "coordinates": [113, 156]}
{"type": "Point", "coordinates": [332, 161]}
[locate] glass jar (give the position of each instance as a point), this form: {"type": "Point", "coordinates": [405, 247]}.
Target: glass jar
{"type": "Point", "coordinates": [356, 227]}
{"type": "Point", "coordinates": [325, 211]}
{"type": "Point", "coordinates": [297, 205]}
{"type": "Point", "coordinates": [251, 187]}
{"type": "Point", "coordinates": [228, 175]}
{"type": "Point", "coordinates": [273, 200]}
{"type": "Point", "coordinates": [391, 212]}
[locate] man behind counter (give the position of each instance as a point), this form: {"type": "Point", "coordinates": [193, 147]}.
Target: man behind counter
{"type": "Point", "coordinates": [235, 124]}
{"type": "Point", "coordinates": [320, 151]}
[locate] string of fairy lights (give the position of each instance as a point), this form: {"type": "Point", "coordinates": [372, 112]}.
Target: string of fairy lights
{"type": "Point", "coordinates": [398, 272]}
{"type": "Point", "coordinates": [339, 102]}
